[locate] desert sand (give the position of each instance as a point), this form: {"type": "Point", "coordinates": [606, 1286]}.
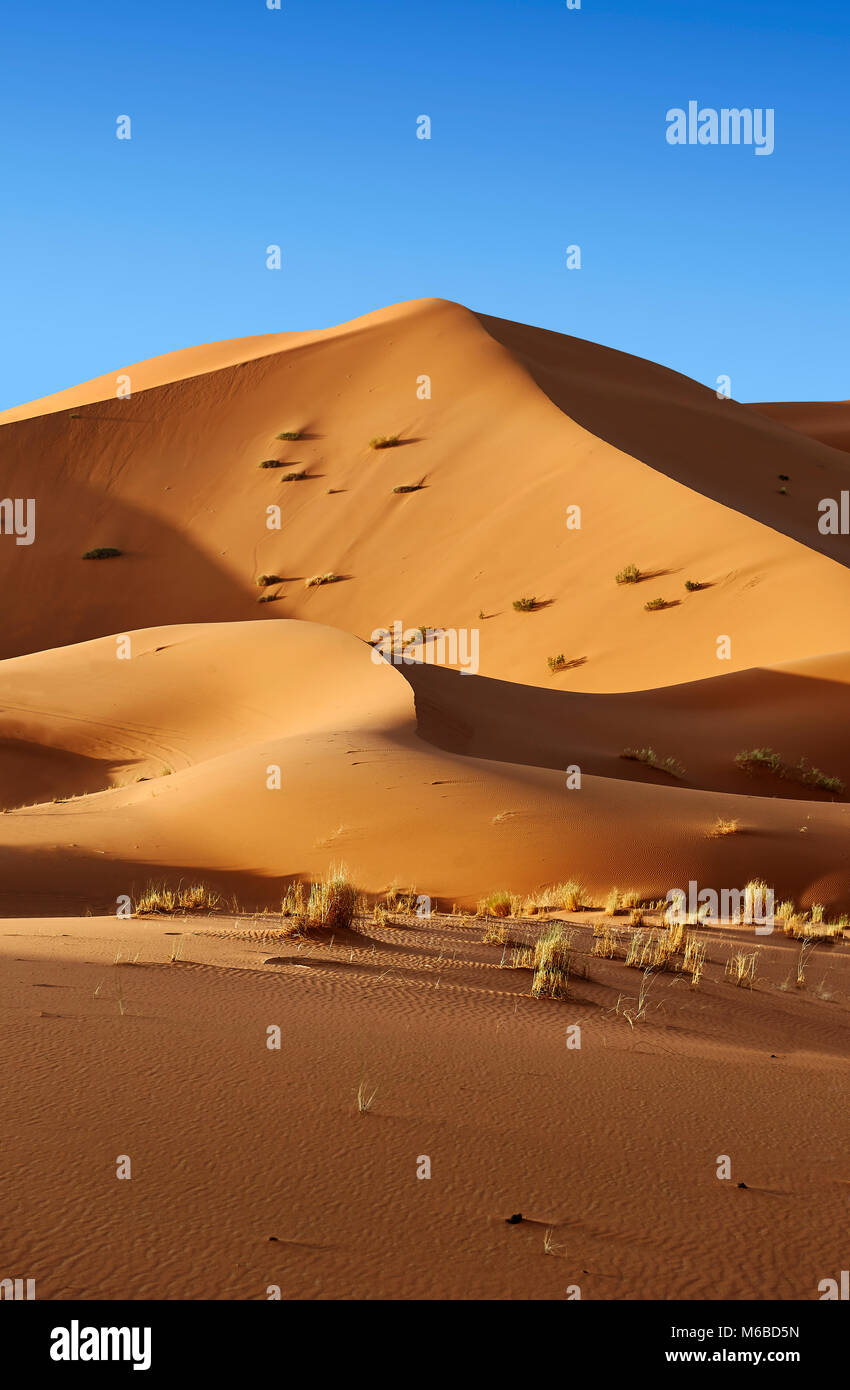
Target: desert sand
{"type": "Point", "coordinates": [159, 725]}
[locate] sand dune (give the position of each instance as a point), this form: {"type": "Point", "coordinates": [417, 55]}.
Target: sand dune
{"type": "Point", "coordinates": [159, 725]}
{"type": "Point", "coordinates": [667, 478]}
{"type": "Point", "coordinates": [462, 793]}
{"type": "Point", "coordinates": [826, 421]}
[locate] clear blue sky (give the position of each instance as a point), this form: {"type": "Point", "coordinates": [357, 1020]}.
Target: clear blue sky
{"type": "Point", "coordinates": [298, 127]}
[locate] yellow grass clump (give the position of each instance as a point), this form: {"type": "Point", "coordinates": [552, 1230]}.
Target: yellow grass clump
{"type": "Point", "coordinates": [158, 898]}
{"type": "Point", "coordinates": [551, 963]}
{"type": "Point", "coordinates": [331, 903]}
{"type": "Point", "coordinates": [741, 968]}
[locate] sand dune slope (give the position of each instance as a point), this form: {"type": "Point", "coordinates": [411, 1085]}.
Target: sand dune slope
{"type": "Point", "coordinates": [520, 425]}
{"type": "Point", "coordinates": [211, 717]}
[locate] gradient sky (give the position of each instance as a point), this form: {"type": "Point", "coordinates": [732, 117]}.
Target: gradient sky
{"type": "Point", "coordinates": [298, 127]}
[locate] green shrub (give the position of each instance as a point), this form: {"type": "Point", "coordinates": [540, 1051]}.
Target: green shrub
{"type": "Point", "coordinates": [630, 575]}
{"type": "Point", "coordinates": [290, 434]}
{"type": "Point", "coordinates": [384, 441]}
{"type": "Point", "coordinates": [655, 604]}
{"type": "Point", "coordinates": [525, 605]}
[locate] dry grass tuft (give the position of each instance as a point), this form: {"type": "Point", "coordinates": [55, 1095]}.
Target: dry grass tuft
{"type": "Point", "coordinates": [157, 898]}
{"type": "Point", "coordinates": [551, 963]}
{"type": "Point", "coordinates": [723, 827]}
{"type": "Point", "coordinates": [741, 968]}
{"type": "Point", "coordinates": [499, 904]}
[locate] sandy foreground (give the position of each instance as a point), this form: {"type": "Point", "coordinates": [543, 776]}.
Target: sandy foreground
{"type": "Point", "coordinates": [254, 1167]}
{"type": "Point", "coordinates": [160, 726]}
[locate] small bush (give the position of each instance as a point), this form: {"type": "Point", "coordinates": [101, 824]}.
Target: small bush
{"type": "Point", "coordinates": [264, 580]}
{"type": "Point", "coordinates": [294, 477]}
{"type": "Point", "coordinates": [557, 663]}
{"type": "Point", "coordinates": [525, 605]}
{"type": "Point", "coordinates": [649, 757]}
{"type": "Point", "coordinates": [290, 434]}
{"type": "Point", "coordinates": [551, 963]}
{"type": "Point", "coordinates": [384, 441]}
{"type": "Point", "coordinates": [768, 760]}
{"type": "Point", "coordinates": [741, 968]}
{"type": "Point", "coordinates": [408, 487]}
{"type": "Point", "coordinates": [101, 552]}
{"type": "Point", "coordinates": [764, 759]}
{"type": "Point", "coordinates": [271, 463]}
{"type": "Point", "coordinates": [499, 904]}
{"type": "Point", "coordinates": [318, 579]}
{"type": "Point", "coordinates": [693, 585]}
{"type": "Point", "coordinates": [723, 827]}
{"type": "Point", "coordinates": [157, 898]}
{"type": "Point", "coordinates": [630, 575]}
{"type": "Point", "coordinates": [655, 604]}
{"type": "Point", "coordinates": [567, 897]}
{"type": "Point", "coordinates": [331, 903]}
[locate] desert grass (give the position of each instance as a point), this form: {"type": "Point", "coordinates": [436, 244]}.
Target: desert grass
{"type": "Point", "coordinates": [158, 899]}
{"type": "Point", "coordinates": [801, 930]}
{"type": "Point", "coordinates": [525, 605]}
{"type": "Point", "coordinates": [552, 956]}
{"type": "Point", "coordinates": [650, 758]}
{"type": "Point", "coordinates": [802, 961]}
{"type": "Point", "coordinates": [330, 904]}
{"type": "Point", "coordinates": [741, 968]}
{"type": "Point", "coordinates": [265, 580]}
{"type": "Point", "coordinates": [557, 663]}
{"type": "Point", "coordinates": [408, 487]}
{"type": "Point", "coordinates": [752, 760]}
{"type": "Point", "coordinates": [563, 897]}
{"type": "Point", "coordinates": [606, 941]}
{"type": "Point", "coordinates": [102, 552]}
{"type": "Point", "coordinates": [693, 585]}
{"type": "Point", "coordinates": [723, 827]}
{"type": "Point", "coordinates": [499, 904]}
{"type": "Point", "coordinates": [365, 1097]}
{"type": "Point", "coordinates": [318, 579]}
{"type": "Point", "coordinates": [630, 575]}
{"type": "Point", "coordinates": [290, 434]}
{"type": "Point", "coordinates": [693, 960]}
{"type": "Point", "coordinates": [384, 441]}
{"type": "Point", "coordinates": [270, 463]}
{"type": "Point", "coordinates": [401, 899]}
{"type": "Point", "coordinates": [755, 899]}
{"type": "Point", "coordinates": [639, 1012]}
{"type": "Point", "coordinates": [655, 604]}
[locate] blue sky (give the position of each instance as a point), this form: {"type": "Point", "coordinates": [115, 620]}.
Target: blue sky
{"type": "Point", "coordinates": [298, 127]}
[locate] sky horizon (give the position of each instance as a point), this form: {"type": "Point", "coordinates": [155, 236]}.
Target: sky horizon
{"type": "Point", "coordinates": [299, 128]}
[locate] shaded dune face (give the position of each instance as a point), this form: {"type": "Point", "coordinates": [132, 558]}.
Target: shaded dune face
{"type": "Point", "coordinates": [411, 771]}
{"type": "Point", "coordinates": [416, 773]}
